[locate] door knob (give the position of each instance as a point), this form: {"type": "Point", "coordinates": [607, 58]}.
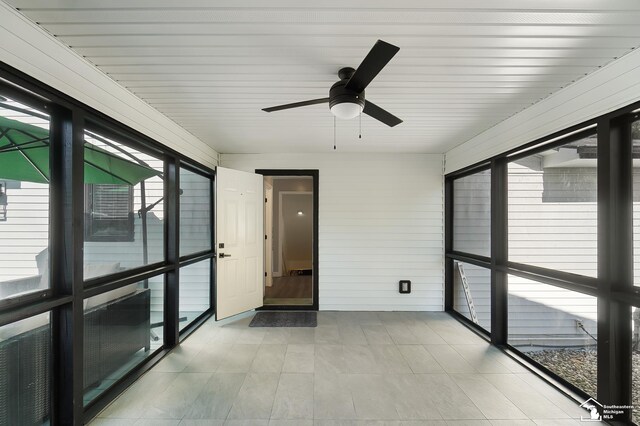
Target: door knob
{"type": "Point", "coordinates": [222, 255]}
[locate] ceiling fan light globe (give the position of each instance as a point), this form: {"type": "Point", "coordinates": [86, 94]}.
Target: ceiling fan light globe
{"type": "Point", "coordinates": [346, 110]}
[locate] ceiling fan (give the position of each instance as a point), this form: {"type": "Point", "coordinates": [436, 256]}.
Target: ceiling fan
{"type": "Point", "coordinates": [346, 97]}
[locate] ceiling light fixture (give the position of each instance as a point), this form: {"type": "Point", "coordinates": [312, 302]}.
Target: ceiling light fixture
{"type": "Point", "coordinates": [300, 213]}
{"type": "Point", "coordinates": [347, 110]}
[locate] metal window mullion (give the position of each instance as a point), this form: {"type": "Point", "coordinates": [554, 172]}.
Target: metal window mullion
{"type": "Point", "coordinates": [499, 255]}
{"type": "Point", "coordinates": [172, 250]}
{"type": "Point", "coordinates": [615, 261]}
{"type": "Point", "coordinates": [66, 259]}
{"type": "Point", "coordinates": [448, 244]}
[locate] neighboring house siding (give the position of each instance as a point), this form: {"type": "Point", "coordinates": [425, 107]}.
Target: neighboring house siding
{"type": "Point", "coordinates": [380, 221]}
{"type": "Point", "coordinates": [25, 233]}
{"type": "Point", "coordinates": [552, 224]}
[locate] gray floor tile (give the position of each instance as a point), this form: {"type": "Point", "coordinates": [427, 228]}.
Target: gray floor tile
{"type": "Point", "coordinates": [401, 334]}
{"type": "Point", "coordinates": [251, 336]}
{"type": "Point", "coordinates": [201, 422]}
{"type": "Point", "coordinates": [111, 422]}
{"type": "Point", "coordinates": [389, 359]}
{"type": "Point", "coordinates": [354, 369]}
{"type": "Point", "coordinates": [302, 335]}
{"type": "Point", "coordinates": [525, 397]}
{"type": "Point", "coordinates": [276, 335]}
{"type": "Point", "coordinates": [569, 406]}
{"type": "Point", "coordinates": [492, 403]}
{"type": "Point", "coordinates": [178, 397]}
{"type": "Point", "coordinates": [294, 397]}
{"type": "Point", "coordinates": [298, 422]}
{"type": "Point", "coordinates": [134, 401]}
{"type": "Point", "coordinates": [330, 359]}
{"type": "Point", "coordinates": [376, 335]}
{"type": "Point", "coordinates": [351, 334]}
{"type": "Point", "coordinates": [217, 397]}
{"type": "Point", "coordinates": [328, 318]}
{"type": "Point", "coordinates": [419, 359]}
{"type": "Point", "coordinates": [371, 396]}
{"type": "Point", "coordinates": [411, 403]}
{"type": "Point", "coordinates": [238, 359]}
{"type": "Point", "coordinates": [360, 359]}
{"type": "Point", "coordinates": [450, 360]}
{"type": "Point", "coordinates": [209, 358]}
{"type": "Point", "coordinates": [481, 357]}
{"type": "Point", "coordinates": [299, 362]}
{"type": "Point", "coordinates": [255, 398]}
{"type": "Point", "coordinates": [424, 334]}
{"type": "Point", "coordinates": [178, 359]}
{"type": "Point", "coordinates": [156, 422]}
{"type": "Point", "coordinates": [332, 398]}
{"type": "Point", "coordinates": [269, 358]}
{"type": "Point", "coordinates": [327, 334]}
{"type": "Point", "coordinates": [454, 332]}
{"type": "Point", "coordinates": [450, 401]}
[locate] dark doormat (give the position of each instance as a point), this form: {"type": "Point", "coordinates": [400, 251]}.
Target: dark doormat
{"type": "Point", "coordinates": [284, 319]}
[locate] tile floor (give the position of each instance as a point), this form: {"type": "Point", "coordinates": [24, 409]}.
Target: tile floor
{"type": "Point", "coordinates": [355, 368]}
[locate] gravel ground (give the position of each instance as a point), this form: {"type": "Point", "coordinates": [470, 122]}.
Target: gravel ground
{"type": "Point", "coordinates": [578, 366]}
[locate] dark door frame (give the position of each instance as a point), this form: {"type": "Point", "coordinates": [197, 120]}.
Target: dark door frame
{"type": "Point", "coordinates": [315, 175]}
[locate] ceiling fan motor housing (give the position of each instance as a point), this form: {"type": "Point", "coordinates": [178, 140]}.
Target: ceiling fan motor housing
{"type": "Point", "coordinates": [339, 94]}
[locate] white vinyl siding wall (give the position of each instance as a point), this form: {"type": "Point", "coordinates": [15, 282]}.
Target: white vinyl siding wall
{"type": "Point", "coordinates": [380, 221]}
{"type": "Point", "coordinates": [25, 233]}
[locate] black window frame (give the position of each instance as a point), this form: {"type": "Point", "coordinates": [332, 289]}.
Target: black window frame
{"type": "Point", "coordinates": [69, 120]}
{"type": "Point", "coordinates": [613, 286]}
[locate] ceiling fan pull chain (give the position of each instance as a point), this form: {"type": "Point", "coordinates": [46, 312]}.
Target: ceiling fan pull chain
{"type": "Point", "coordinates": [334, 133]}
{"type": "Point", "coordinates": [360, 128]}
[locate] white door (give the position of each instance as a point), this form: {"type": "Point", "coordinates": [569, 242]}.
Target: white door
{"type": "Point", "coordinates": [239, 242]}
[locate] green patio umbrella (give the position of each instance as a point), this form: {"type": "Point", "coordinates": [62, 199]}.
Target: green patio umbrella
{"type": "Point", "coordinates": [24, 156]}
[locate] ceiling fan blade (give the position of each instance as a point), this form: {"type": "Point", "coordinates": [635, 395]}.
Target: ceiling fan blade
{"type": "Point", "coordinates": [297, 104]}
{"type": "Point", "coordinates": [379, 55]}
{"type": "Point", "coordinates": [379, 114]}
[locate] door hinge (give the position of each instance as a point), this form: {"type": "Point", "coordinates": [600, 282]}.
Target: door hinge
{"type": "Point", "coordinates": [265, 200]}
{"type": "Point", "coordinates": [265, 237]}
{"type": "Point", "coordinates": [265, 274]}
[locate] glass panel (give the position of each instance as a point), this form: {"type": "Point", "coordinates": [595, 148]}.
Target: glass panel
{"type": "Point", "coordinates": [195, 289]}
{"type": "Point", "coordinates": [195, 213]}
{"type": "Point", "coordinates": [122, 328]}
{"type": "Point", "coordinates": [25, 361]}
{"type": "Point", "coordinates": [635, 134]}
{"type": "Point", "coordinates": [553, 208]}
{"type": "Point", "coordinates": [24, 199]}
{"type": "Point", "coordinates": [472, 214]}
{"type": "Point", "coordinates": [478, 299]}
{"type": "Point", "coordinates": [557, 328]}
{"type": "Point", "coordinates": [635, 364]}
{"type": "Point", "coordinates": [120, 232]}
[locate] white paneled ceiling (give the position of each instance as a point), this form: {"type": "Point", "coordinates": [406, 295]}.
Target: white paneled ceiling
{"type": "Point", "coordinates": [463, 66]}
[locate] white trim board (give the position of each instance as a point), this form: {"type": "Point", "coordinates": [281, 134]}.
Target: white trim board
{"type": "Point", "coordinates": [35, 52]}
{"type": "Point", "coordinates": [607, 89]}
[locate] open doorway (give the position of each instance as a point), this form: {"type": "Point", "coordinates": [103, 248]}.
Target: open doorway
{"type": "Point", "coordinates": [291, 229]}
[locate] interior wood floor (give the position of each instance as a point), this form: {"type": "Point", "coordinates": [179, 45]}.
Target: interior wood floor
{"type": "Point", "coordinates": [291, 290]}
